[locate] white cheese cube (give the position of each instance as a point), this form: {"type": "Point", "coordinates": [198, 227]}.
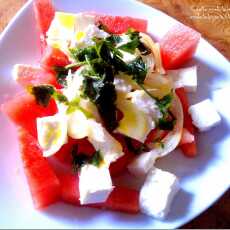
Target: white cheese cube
{"type": "Point", "coordinates": [185, 77]}
{"type": "Point", "coordinates": [143, 163]}
{"type": "Point", "coordinates": [102, 141]}
{"type": "Point", "coordinates": [77, 125]}
{"type": "Point", "coordinates": [95, 184]}
{"type": "Point", "coordinates": [157, 193]}
{"type": "Point", "coordinates": [52, 133]}
{"type": "Point", "coordinates": [204, 115]}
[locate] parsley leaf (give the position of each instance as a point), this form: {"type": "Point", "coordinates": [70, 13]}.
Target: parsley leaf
{"type": "Point", "coordinates": [42, 93]}
{"type": "Point", "coordinates": [138, 69]}
{"type": "Point", "coordinates": [131, 46]}
{"type": "Point", "coordinates": [83, 54]}
{"type": "Point", "coordinates": [80, 159]}
{"type": "Point", "coordinates": [165, 124]}
{"type": "Point", "coordinates": [61, 74]}
{"type": "Point", "coordinates": [97, 159]}
{"type": "Point", "coordinates": [165, 103]}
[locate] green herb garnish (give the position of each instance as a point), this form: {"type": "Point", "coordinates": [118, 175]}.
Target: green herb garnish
{"type": "Point", "coordinates": [80, 159]}
{"type": "Point", "coordinates": [96, 159]}
{"type": "Point", "coordinates": [43, 94]}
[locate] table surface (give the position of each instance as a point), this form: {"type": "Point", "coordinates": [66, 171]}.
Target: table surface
{"type": "Point", "coordinates": [212, 19]}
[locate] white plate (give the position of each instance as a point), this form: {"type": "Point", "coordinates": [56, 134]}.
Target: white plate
{"type": "Point", "coordinates": [203, 179]}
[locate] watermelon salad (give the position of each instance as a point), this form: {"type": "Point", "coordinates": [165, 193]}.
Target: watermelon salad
{"type": "Point", "coordinates": [105, 100]}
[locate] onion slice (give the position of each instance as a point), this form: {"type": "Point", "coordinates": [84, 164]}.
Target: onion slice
{"type": "Point", "coordinates": [143, 163]}
{"type": "Point", "coordinates": [155, 48]}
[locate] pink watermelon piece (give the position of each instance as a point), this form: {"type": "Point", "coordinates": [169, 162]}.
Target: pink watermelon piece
{"type": "Point", "coordinates": [189, 149]}
{"type": "Point", "coordinates": [43, 183]}
{"type": "Point", "coordinates": [178, 46]}
{"type": "Point", "coordinates": [44, 13]}
{"type": "Point", "coordinates": [54, 57]}
{"type": "Point", "coordinates": [29, 75]}
{"type": "Point", "coordinates": [118, 24]}
{"type": "Point", "coordinates": [120, 199]}
{"type": "Point", "coordinates": [23, 110]}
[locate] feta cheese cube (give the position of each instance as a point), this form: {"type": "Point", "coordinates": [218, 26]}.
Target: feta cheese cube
{"type": "Point", "coordinates": [185, 77]}
{"type": "Point", "coordinates": [143, 163]}
{"type": "Point", "coordinates": [52, 133]}
{"type": "Point", "coordinates": [204, 115]}
{"type": "Point", "coordinates": [102, 141]}
{"type": "Point", "coordinates": [157, 193]}
{"type": "Point", "coordinates": [77, 125]}
{"type": "Point", "coordinates": [95, 184]}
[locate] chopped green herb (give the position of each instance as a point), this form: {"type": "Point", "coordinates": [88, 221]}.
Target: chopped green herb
{"type": "Point", "coordinates": [131, 46]}
{"type": "Point", "coordinates": [80, 159]}
{"type": "Point", "coordinates": [165, 103]}
{"type": "Point", "coordinates": [97, 159]}
{"type": "Point", "coordinates": [114, 39]}
{"type": "Point", "coordinates": [164, 124]}
{"type": "Point", "coordinates": [138, 69]}
{"type": "Point", "coordinates": [81, 54]}
{"type": "Point", "coordinates": [61, 74]}
{"type": "Point", "coordinates": [42, 93]}
{"type": "Point", "coordinates": [159, 142]}
{"type": "Point", "coordinates": [135, 149]}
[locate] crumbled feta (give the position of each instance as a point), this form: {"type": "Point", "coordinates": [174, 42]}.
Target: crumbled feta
{"type": "Point", "coordinates": [122, 85]}
{"type": "Point", "coordinates": [95, 184]}
{"type": "Point", "coordinates": [143, 163]}
{"type": "Point", "coordinates": [52, 133]}
{"type": "Point", "coordinates": [109, 147]}
{"type": "Point", "coordinates": [204, 115]}
{"type": "Point", "coordinates": [85, 37]}
{"type": "Point", "coordinates": [145, 103]}
{"type": "Point", "coordinates": [157, 193]}
{"type": "Point", "coordinates": [74, 84]}
{"type": "Point", "coordinates": [185, 77]}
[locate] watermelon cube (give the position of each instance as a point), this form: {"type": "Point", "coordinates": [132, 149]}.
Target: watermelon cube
{"type": "Point", "coordinates": [44, 13]}
{"type": "Point", "coordinates": [43, 183]}
{"type": "Point", "coordinates": [118, 24]}
{"type": "Point", "coordinates": [178, 46]}
{"type": "Point", "coordinates": [27, 75]}
{"type": "Point", "coordinates": [120, 199]}
{"type": "Point", "coordinates": [23, 110]}
{"type": "Point", "coordinates": [189, 149]}
{"type": "Point", "coordinates": [54, 57]}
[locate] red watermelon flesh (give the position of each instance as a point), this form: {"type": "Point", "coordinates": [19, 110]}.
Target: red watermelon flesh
{"type": "Point", "coordinates": [43, 183]}
{"type": "Point", "coordinates": [23, 110]}
{"type": "Point", "coordinates": [120, 165]}
{"type": "Point", "coordinates": [120, 199]}
{"type": "Point", "coordinates": [178, 46]}
{"type": "Point", "coordinates": [69, 188]}
{"type": "Point", "coordinates": [54, 57]}
{"type": "Point", "coordinates": [118, 24]}
{"type": "Point", "coordinates": [28, 75]}
{"type": "Point", "coordinates": [189, 149]}
{"type": "Point", "coordinates": [83, 146]}
{"type": "Point", "coordinates": [44, 14]}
